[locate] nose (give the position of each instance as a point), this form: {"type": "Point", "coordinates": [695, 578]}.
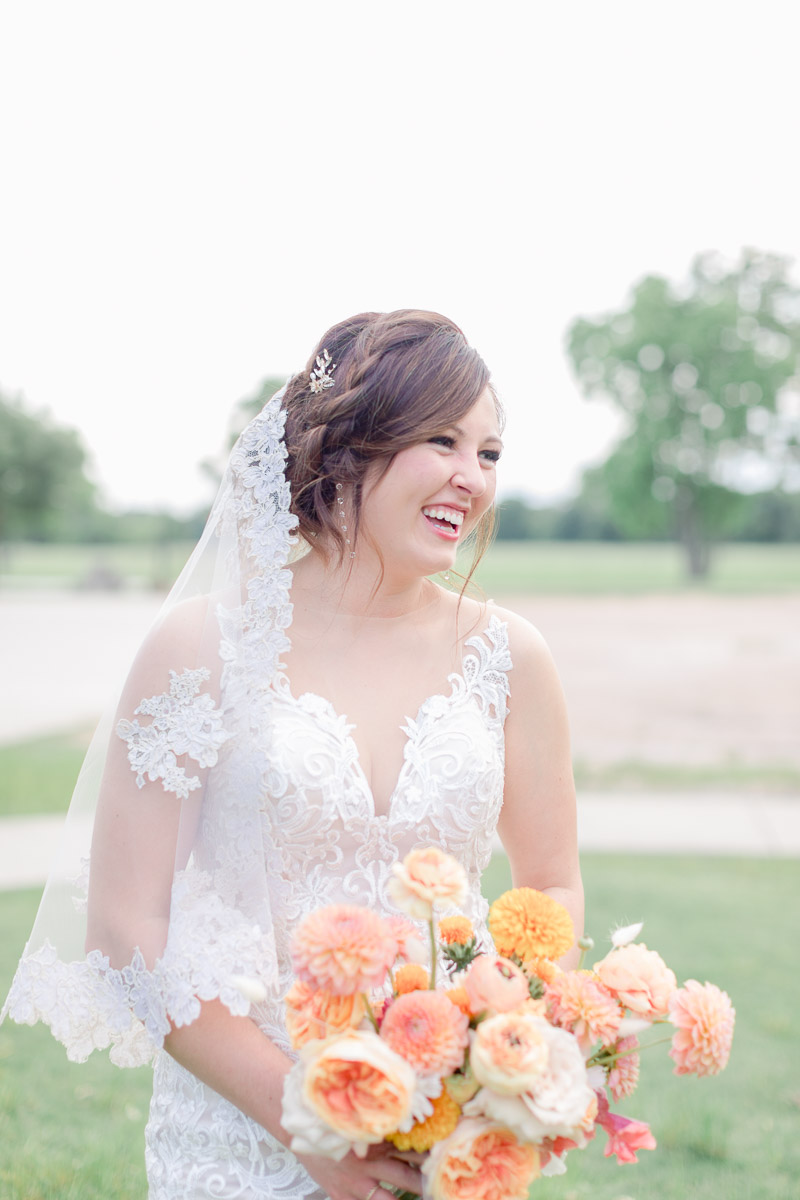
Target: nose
{"type": "Point", "coordinates": [469, 476]}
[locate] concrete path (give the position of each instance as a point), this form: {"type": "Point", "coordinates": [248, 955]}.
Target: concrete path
{"type": "Point", "coordinates": [683, 823]}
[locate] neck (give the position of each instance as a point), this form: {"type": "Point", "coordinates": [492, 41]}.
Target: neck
{"type": "Point", "coordinates": [355, 587]}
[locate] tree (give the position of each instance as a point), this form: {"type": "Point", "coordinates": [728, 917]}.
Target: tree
{"type": "Point", "coordinates": [43, 486]}
{"type": "Point", "coordinates": [707, 375]}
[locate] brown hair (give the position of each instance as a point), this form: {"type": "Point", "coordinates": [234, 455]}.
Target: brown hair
{"type": "Point", "coordinates": [400, 377]}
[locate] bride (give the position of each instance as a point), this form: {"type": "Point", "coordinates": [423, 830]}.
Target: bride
{"type": "Point", "coordinates": [310, 706]}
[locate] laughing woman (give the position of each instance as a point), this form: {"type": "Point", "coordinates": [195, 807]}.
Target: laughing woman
{"type": "Point", "coordinates": [310, 706]}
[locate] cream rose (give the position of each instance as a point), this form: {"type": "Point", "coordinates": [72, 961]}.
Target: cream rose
{"type": "Point", "coordinates": [426, 877]}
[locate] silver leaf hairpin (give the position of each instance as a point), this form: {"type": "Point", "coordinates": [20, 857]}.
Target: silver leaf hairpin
{"type": "Point", "coordinates": [321, 377]}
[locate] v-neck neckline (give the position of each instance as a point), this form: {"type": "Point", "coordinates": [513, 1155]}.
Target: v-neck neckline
{"type": "Point", "coordinates": [459, 686]}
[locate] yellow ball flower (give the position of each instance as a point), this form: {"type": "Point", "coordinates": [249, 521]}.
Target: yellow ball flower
{"type": "Point", "coordinates": [424, 1134]}
{"type": "Point", "coordinates": [456, 930]}
{"type": "Point", "coordinates": [530, 924]}
{"type": "Point", "coordinates": [411, 978]}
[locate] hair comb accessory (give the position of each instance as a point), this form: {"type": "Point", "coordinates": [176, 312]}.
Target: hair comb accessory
{"type": "Point", "coordinates": [321, 377]}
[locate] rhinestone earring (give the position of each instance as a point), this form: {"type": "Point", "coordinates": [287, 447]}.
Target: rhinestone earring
{"type": "Point", "coordinates": [343, 518]}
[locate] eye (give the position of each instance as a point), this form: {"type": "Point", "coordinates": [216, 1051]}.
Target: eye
{"type": "Point", "coordinates": [491, 456]}
{"type": "Point", "coordinates": [443, 439]}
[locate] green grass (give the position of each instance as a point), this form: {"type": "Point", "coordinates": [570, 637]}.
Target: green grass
{"type": "Point", "coordinates": [38, 776]}
{"type": "Point", "coordinates": [630, 568]}
{"type": "Point", "coordinates": [40, 565]}
{"type": "Point", "coordinates": [75, 1132]}
{"type": "Point", "coordinates": [580, 568]}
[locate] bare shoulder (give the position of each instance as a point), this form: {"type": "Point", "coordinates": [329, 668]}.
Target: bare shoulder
{"type": "Point", "coordinates": [184, 638]}
{"type": "Point", "coordinates": [526, 644]}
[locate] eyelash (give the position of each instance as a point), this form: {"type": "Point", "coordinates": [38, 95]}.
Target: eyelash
{"type": "Point", "coordinates": [492, 456]}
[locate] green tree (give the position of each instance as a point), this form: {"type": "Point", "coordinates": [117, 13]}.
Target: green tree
{"type": "Point", "coordinates": [44, 491]}
{"type": "Point", "coordinates": [706, 373]}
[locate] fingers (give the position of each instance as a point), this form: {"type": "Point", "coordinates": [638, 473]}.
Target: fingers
{"type": "Point", "coordinates": [399, 1174]}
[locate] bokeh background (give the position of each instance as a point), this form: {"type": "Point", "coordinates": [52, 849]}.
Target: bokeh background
{"type": "Point", "coordinates": [604, 197]}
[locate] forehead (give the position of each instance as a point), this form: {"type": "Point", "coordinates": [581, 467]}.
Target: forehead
{"type": "Point", "coordinates": [482, 420]}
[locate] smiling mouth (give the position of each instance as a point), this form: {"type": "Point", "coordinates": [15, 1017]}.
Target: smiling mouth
{"type": "Point", "coordinates": [446, 521]}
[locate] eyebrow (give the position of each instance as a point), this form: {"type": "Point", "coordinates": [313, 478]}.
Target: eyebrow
{"type": "Point", "coordinates": [490, 437]}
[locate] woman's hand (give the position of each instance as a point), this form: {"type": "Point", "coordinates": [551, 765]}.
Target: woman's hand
{"type": "Point", "coordinates": [357, 1178]}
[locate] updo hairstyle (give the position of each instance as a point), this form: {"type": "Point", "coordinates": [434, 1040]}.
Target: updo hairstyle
{"type": "Point", "coordinates": [400, 378]}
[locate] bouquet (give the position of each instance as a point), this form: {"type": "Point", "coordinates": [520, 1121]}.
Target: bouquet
{"type": "Point", "coordinates": [497, 1064]}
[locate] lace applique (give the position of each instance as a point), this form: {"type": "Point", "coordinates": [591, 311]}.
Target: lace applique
{"type": "Point", "coordinates": [184, 722]}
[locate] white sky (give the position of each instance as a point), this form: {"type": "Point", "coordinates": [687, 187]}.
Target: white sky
{"type": "Point", "coordinates": [190, 193]}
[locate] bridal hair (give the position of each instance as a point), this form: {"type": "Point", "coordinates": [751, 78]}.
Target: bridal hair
{"type": "Point", "coordinates": [401, 377]}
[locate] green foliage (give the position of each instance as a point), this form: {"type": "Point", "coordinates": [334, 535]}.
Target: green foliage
{"type": "Point", "coordinates": [43, 486]}
{"type": "Point", "coordinates": [707, 375]}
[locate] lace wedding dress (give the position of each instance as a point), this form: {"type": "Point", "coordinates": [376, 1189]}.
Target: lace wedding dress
{"type": "Point", "coordinates": [325, 843]}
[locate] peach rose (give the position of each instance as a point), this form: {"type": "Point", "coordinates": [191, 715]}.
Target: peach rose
{"type": "Point", "coordinates": [347, 1092]}
{"type": "Point", "coordinates": [314, 1013]}
{"type": "Point", "coordinates": [480, 1160]}
{"type": "Point", "coordinates": [509, 1053]}
{"type": "Point", "coordinates": [343, 949]}
{"type": "Point", "coordinates": [640, 979]}
{"type": "Point", "coordinates": [495, 983]}
{"type": "Point", "coordinates": [424, 878]}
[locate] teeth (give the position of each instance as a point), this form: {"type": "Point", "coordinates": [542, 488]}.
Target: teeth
{"type": "Point", "coordinates": [453, 515]}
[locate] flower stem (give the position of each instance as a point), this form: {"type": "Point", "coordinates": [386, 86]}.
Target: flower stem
{"type": "Point", "coordinates": [433, 951]}
{"type": "Point", "coordinates": [370, 1013]}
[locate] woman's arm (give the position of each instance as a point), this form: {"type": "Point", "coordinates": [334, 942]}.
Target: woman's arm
{"type": "Point", "coordinates": [538, 822]}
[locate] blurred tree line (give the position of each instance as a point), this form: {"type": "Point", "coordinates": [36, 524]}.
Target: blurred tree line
{"type": "Point", "coordinates": [707, 373]}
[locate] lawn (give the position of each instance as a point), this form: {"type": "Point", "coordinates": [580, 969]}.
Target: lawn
{"type": "Point", "coordinates": [74, 1132]}
{"type": "Point", "coordinates": [577, 568]}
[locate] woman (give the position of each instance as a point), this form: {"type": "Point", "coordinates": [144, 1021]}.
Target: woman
{"type": "Point", "coordinates": [303, 727]}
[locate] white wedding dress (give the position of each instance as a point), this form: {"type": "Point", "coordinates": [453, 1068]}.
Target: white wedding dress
{"type": "Point", "coordinates": [324, 843]}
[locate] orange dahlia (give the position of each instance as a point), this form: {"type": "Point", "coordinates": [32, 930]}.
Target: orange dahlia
{"type": "Point", "coordinates": [542, 968]}
{"type": "Point", "coordinates": [530, 924]}
{"type": "Point", "coordinates": [427, 1031]}
{"type": "Point", "coordinates": [458, 996]}
{"type": "Point", "coordinates": [314, 1013]}
{"type": "Point", "coordinates": [456, 930]}
{"type": "Point", "coordinates": [410, 978]}
{"type": "Point", "coordinates": [424, 1134]}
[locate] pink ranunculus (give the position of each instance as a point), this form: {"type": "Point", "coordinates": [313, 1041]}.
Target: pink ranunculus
{"type": "Point", "coordinates": [480, 1160]}
{"type": "Point", "coordinates": [704, 1017]}
{"type": "Point", "coordinates": [639, 978]}
{"type": "Point", "coordinates": [410, 946]}
{"type": "Point", "coordinates": [625, 1136]}
{"type": "Point", "coordinates": [343, 949]}
{"type": "Point", "coordinates": [495, 983]}
{"type": "Point", "coordinates": [426, 877]}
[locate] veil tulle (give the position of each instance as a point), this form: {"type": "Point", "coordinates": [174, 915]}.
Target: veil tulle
{"type": "Point", "coordinates": [158, 898]}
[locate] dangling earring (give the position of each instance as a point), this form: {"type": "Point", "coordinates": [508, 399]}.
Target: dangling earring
{"type": "Point", "coordinates": [343, 517]}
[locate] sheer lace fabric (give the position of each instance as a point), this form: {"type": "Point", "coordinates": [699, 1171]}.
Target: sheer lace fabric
{"type": "Point", "coordinates": [324, 844]}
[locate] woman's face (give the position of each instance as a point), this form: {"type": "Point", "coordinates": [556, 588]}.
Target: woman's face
{"type": "Point", "coordinates": [434, 493]}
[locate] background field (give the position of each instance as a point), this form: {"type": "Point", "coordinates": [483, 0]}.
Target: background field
{"type": "Point", "coordinates": [74, 1132]}
{"type": "Point", "coordinates": [546, 567]}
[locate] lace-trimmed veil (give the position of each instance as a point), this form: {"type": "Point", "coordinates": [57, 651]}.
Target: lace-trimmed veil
{"type": "Point", "coordinates": [169, 796]}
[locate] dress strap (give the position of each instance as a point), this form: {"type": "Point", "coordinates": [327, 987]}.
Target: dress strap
{"type": "Point", "coordinates": [485, 667]}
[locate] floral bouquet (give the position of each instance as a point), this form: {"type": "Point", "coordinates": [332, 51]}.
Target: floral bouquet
{"type": "Point", "coordinates": [500, 1066]}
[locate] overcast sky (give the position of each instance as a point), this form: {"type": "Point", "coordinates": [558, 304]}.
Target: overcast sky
{"type": "Point", "coordinates": [192, 192]}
